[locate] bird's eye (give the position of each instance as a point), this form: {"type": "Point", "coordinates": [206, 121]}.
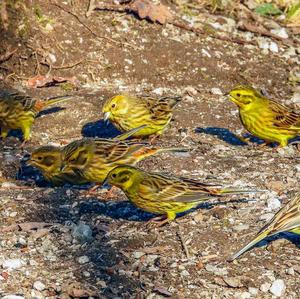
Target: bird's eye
{"type": "Point", "coordinates": [72, 160]}
{"type": "Point", "coordinates": [113, 105]}
{"type": "Point", "coordinates": [114, 175]}
{"type": "Point", "coordinates": [40, 158]}
{"type": "Point", "coordinates": [238, 94]}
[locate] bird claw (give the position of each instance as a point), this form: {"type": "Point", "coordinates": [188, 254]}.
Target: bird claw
{"type": "Point", "coordinates": [157, 221]}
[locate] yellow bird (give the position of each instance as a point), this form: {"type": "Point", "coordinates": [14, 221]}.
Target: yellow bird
{"type": "Point", "coordinates": [287, 219]}
{"type": "Point", "coordinates": [161, 194]}
{"type": "Point", "coordinates": [18, 111]}
{"type": "Point", "coordinates": [265, 118]}
{"type": "Point", "coordinates": [127, 112]}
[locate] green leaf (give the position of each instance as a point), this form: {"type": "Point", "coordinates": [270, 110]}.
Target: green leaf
{"type": "Point", "coordinates": [268, 9]}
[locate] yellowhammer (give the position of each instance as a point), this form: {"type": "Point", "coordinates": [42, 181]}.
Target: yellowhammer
{"type": "Point", "coordinates": [94, 158]}
{"type": "Point", "coordinates": [49, 160]}
{"type": "Point", "coordinates": [18, 111]}
{"type": "Point", "coordinates": [287, 219]}
{"type": "Point", "coordinates": [265, 118]}
{"type": "Point", "coordinates": [161, 194]}
{"type": "Point", "coordinates": [127, 112]}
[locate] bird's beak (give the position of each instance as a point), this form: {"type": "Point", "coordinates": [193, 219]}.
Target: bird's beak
{"type": "Point", "coordinates": [106, 116]}
{"type": "Point", "coordinates": [106, 182]}
{"type": "Point", "coordinates": [30, 162]}
{"type": "Point", "coordinates": [63, 167]}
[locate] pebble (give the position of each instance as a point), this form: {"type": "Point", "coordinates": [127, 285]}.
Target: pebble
{"type": "Point", "coordinates": [12, 297]}
{"type": "Point", "coordinates": [277, 288]}
{"type": "Point", "coordinates": [290, 271]}
{"type": "Point", "coordinates": [241, 227]}
{"type": "Point", "coordinates": [39, 286]}
{"type": "Point", "coordinates": [215, 270]}
{"type": "Point", "coordinates": [138, 254]}
{"type": "Point", "coordinates": [265, 287]}
{"type": "Point", "coordinates": [281, 32]}
{"type": "Point", "coordinates": [296, 98]}
{"type": "Point", "coordinates": [83, 259]}
{"type": "Point", "coordinates": [273, 47]}
{"type": "Point", "coordinates": [253, 291]}
{"type": "Point", "coordinates": [83, 233]}
{"type": "Point", "coordinates": [245, 295]}
{"type": "Point", "coordinates": [273, 203]}
{"type": "Point", "coordinates": [13, 264]}
{"type": "Point", "coordinates": [185, 273]}
{"type": "Point", "coordinates": [216, 90]}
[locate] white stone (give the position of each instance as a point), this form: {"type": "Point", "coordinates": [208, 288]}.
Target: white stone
{"type": "Point", "coordinates": [290, 271]}
{"type": "Point", "coordinates": [13, 297]}
{"type": "Point", "coordinates": [277, 288]}
{"type": "Point", "coordinates": [216, 90]}
{"type": "Point", "coordinates": [245, 295]}
{"type": "Point", "coordinates": [273, 47]}
{"type": "Point", "coordinates": [39, 286]}
{"type": "Point", "coordinates": [265, 287]}
{"type": "Point", "coordinates": [273, 203]}
{"type": "Point", "coordinates": [52, 57]}
{"type": "Point", "coordinates": [241, 227]}
{"type": "Point", "coordinates": [281, 32]}
{"type": "Point", "coordinates": [138, 254]}
{"type": "Point", "coordinates": [296, 98]}
{"type": "Point", "coordinates": [83, 259]}
{"type": "Point", "coordinates": [13, 264]}
{"type": "Point", "coordinates": [253, 291]}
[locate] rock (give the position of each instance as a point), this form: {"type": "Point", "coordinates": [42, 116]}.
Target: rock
{"type": "Point", "coordinates": [273, 47]}
{"type": "Point", "coordinates": [216, 270]}
{"type": "Point", "coordinates": [244, 295]}
{"type": "Point", "coordinates": [277, 288]}
{"type": "Point", "coordinates": [265, 287]}
{"type": "Point", "coordinates": [216, 90]}
{"type": "Point", "coordinates": [290, 271]}
{"type": "Point", "coordinates": [39, 286]}
{"type": "Point", "coordinates": [281, 32]}
{"type": "Point", "coordinates": [296, 98]}
{"type": "Point", "coordinates": [83, 259]}
{"type": "Point", "coordinates": [185, 273]}
{"type": "Point", "coordinates": [138, 254]}
{"type": "Point", "coordinates": [273, 203]}
{"type": "Point", "coordinates": [82, 232]}
{"type": "Point", "coordinates": [241, 227]}
{"type": "Point", "coordinates": [13, 264]}
{"type": "Point", "coordinates": [234, 282]}
{"type": "Point", "coordinates": [253, 291]}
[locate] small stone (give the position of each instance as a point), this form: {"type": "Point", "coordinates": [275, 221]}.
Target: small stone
{"type": "Point", "coordinates": [82, 232]}
{"type": "Point", "coordinates": [216, 90]}
{"type": "Point", "coordinates": [48, 27]}
{"type": "Point", "coordinates": [281, 32]}
{"type": "Point", "coordinates": [273, 47]}
{"type": "Point", "coordinates": [12, 297]}
{"type": "Point", "coordinates": [265, 287]}
{"type": "Point", "coordinates": [241, 227]}
{"type": "Point", "coordinates": [215, 270]}
{"type": "Point", "coordinates": [83, 259]}
{"type": "Point", "coordinates": [277, 288]}
{"type": "Point", "coordinates": [39, 286]}
{"type": "Point", "coordinates": [273, 203]}
{"type": "Point", "coordinates": [138, 254]}
{"type": "Point", "coordinates": [290, 271]}
{"type": "Point", "coordinates": [13, 264]}
{"type": "Point", "coordinates": [233, 282]}
{"type": "Point", "coordinates": [253, 291]}
{"type": "Point", "coordinates": [296, 98]}
{"type": "Point", "coordinates": [185, 273]}
{"type": "Point", "coordinates": [245, 295]}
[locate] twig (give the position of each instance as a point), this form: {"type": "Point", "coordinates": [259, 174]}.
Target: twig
{"type": "Point", "coordinates": [91, 8]}
{"type": "Point", "coordinates": [89, 29]}
{"type": "Point", "coordinates": [64, 66]}
{"type": "Point", "coordinates": [7, 55]}
{"type": "Point", "coordinates": [182, 241]}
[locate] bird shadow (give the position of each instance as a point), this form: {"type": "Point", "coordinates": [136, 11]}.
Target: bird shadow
{"type": "Point", "coordinates": [50, 111]}
{"type": "Point", "coordinates": [99, 129]}
{"type": "Point", "coordinates": [229, 137]}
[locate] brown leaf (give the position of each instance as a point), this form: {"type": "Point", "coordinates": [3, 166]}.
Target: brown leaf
{"type": "Point", "coordinates": [145, 9]}
{"type": "Point", "coordinates": [44, 81]}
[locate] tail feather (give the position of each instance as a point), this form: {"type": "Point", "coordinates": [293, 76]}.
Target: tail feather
{"type": "Point", "coordinates": [40, 105]}
{"type": "Point", "coordinates": [128, 134]}
{"type": "Point", "coordinates": [173, 149]}
{"type": "Point", "coordinates": [256, 240]}
{"type": "Point", "coordinates": [172, 100]}
{"type": "Point", "coordinates": [238, 191]}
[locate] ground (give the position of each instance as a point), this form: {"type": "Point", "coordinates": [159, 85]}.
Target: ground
{"type": "Point", "coordinates": [67, 243]}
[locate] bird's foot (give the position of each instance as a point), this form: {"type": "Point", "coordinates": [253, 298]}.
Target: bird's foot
{"type": "Point", "coordinates": [157, 221]}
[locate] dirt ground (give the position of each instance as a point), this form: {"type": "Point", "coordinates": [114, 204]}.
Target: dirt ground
{"type": "Point", "coordinates": [117, 256]}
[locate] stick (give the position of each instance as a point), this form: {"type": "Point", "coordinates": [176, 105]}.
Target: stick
{"type": "Point", "coordinates": [7, 55]}
{"type": "Point", "coordinates": [185, 249]}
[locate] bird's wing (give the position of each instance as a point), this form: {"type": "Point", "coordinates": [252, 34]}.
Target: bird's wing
{"type": "Point", "coordinates": [159, 109]}
{"type": "Point", "coordinates": [167, 189]}
{"type": "Point", "coordinates": [15, 98]}
{"type": "Point", "coordinates": [284, 117]}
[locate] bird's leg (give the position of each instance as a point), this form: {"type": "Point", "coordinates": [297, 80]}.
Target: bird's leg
{"type": "Point", "coordinates": [157, 221]}
{"type": "Point", "coordinates": [263, 145]}
{"type": "Point", "coordinates": [153, 138]}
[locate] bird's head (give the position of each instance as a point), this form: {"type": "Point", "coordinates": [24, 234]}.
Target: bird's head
{"type": "Point", "coordinates": [47, 158]}
{"type": "Point", "coordinates": [116, 106]}
{"type": "Point", "coordinates": [244, 96]}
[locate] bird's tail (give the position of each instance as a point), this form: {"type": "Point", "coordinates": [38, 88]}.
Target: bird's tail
{"type": "Point", "coordinates": [128, 134]}
{"type": "Point", "coordinates": [257, 239]}
{"type": "Point", "coordinates": [40, 105]}
{"type": "Point", "coordinates": [172, 149]}
{"type": "Point", "coordinates": [147, 151]}
{"type": "Point", "coordinates": [172, 100]}
{"type": "Point", "coordinates": [237, 191]}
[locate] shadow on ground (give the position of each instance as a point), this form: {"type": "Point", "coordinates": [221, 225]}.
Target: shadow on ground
{"type": "Point", "coordinates": [99, 129]}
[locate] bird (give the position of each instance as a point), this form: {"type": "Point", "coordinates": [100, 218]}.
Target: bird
{"type": "Point", "coordinates": [265, 118]}
{"type": "Point", "coordinates": [162, 194]}
{"type": "Point", "coordinates": [49, 160]}
{"type": "Point", "coordinates": [287, 219]}
{"type": "Point", "coordinates": [94, 158]}
{"type": "Point", "coordinates": [18, 111]}
{"type": "Point", "coordinates": [128, 111]}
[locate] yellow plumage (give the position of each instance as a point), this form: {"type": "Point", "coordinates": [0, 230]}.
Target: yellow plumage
{"type": "Point", "coordinates": [127, 112]}
{"type": "Point", "coordinates": [265, 118]}
{"type": "Point", "coordinates": [161, 194]}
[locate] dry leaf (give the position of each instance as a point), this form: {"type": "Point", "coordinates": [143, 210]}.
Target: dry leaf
{"type": "Point", "coordinates": [145, 9]}
{"type": "Point", "coordinates": [44, 81]}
